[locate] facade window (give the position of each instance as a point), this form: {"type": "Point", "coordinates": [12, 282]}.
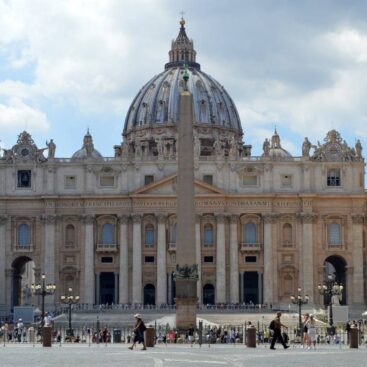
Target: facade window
{"type": "Point", "coordinates": [250, 259]}
{"type": "Point", "coordinates": [149, 235]}
{"type": "Point", "coordinates": [250, 233]}
{"type": "Point", "coordinates": [208, 259]}
{"type": "Point", "coordinates": [334, 234]}
{"type": "Point", "coordinates": [208, 235]}
{"type": "Point", "coordinates": [70, 182]}
{"type": "Point", "coordinates": [286, 181]}
{"type": "Point", "coordinates": [107, 234]}
{"type": "Point", "coordinates": [333, 177]}
{"type": "Point", "coordinates": [208, 179]}
{"type": "Point", "coordinates": [70, 236]}
{"type": "Point", "coordinates": [149, 259]}
{"type": "Point", "coordinates": [249, 180]}
{"type": "Point", "coordinates": [287, 235]}
{"type": "Point", "coordinates": [24, 235]}
{"type": "Point", "coordinates": [106, 260]}
{"type": "Point", "coordinates": [107, 181]}
{"type": "Point", "coordinates": [173, 232]}
{"type": "Point", "coordinates": [24, 178]}
{"type": "Point", "coordinates": [148, 179]}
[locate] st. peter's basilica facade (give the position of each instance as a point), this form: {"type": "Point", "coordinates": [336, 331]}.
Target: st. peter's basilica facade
{"type": "Point", "coordinates": [106, 227]}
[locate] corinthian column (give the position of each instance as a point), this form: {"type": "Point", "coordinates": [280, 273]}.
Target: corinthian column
{"type": "Point", "coordinates": [89, 278]}
{"type": "Point", "coordinates": [49, 254]}
{"type": "Point", "coordinates": [137, 268]}
{"type": "Point", "coordinates": [161, 262]}
{"type": "Point", "coordinates": [198, 257]}
{"type": "Point", "coordinates": [233, 261]}
{"type": "Point", "coordinates": [220, 291]}
{"type": "Point", "coordinates": [358, 283]}
{"type": "Point", "coordinates": [306, 261]}
{"type": "Point", "coordinates": [268, 259]}
{"type": "Point", "coordinates": [124, 262]}
{"type": "Point", "coordinates": [3, 221]}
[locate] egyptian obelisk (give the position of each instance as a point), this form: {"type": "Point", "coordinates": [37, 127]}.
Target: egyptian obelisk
{"type": "Point", "coordinates": [186, 269]}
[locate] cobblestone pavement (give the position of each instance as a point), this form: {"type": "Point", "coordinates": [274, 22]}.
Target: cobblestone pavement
{"type": "Point", "coordinates": [178, 356]}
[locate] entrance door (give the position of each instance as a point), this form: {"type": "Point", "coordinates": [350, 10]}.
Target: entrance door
{"type": "Point", "coordinates": [208, 294]}
{"type": "Point", "coordinates": [251, 287]}
{"type": "Point", "coordinates": [23, 278]}
{"type": "Point", "coordinates": [149, 294]}
{"type": "Point", "coordinates": [107, 288]}
{"type": "Point", "coordinates": [335, 270]}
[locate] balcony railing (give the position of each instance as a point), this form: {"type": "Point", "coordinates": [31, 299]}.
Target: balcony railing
{"type": "Point", "coordinates": [28, 248]}
{"type": "Point", "coordinates": [101, 247]}
{"type": "Point", "coordinates": [171, 246]}
{"type": "Point", "coordinates": [245, 246]}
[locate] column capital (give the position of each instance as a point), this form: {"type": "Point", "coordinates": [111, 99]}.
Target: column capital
{"type": "Point", "coordinates": [3, 219]}
{"type": "Point", "coordinates": [123, 218]}
{"type": "Point", "coordinates": [161, 218]}
{"type": "Point", "coordinates": [198, 218]}
{"type": "Point", "coordinates": [357, 218]}
{"type": "Point", "coordinates": [220, 217]}
{"type": "Point", "coordinates": [88, 219]}
{"type": "Point", "coordinates": [307, 217]}
{"type": "Point", "coordinates": [136, 218]}
{"type": "Point", "coordinates": [233, 218]}
{"type": "Point", "coordinates": [270, 217]}
{"type": "Point", "coordinates": [49, 218]}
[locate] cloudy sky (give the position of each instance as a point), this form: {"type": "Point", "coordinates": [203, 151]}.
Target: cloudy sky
{"type": "Point", "coordinates": [66, 65]}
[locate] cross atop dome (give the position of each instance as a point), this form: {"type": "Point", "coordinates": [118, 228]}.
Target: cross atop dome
{"type": "Point", "coordinates": [182, 50]}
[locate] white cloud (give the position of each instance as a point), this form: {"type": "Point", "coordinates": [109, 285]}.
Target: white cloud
{"type": "Point", "coordinates": [17, 116]}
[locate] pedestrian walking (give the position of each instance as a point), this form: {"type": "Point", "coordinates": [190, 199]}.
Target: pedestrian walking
{"type": "Point", "coordinates": [305, 330]}
{"type": "Point", "coordinates": [277, 332]}
{"type": "Point", "coordinates": [312, 337]}
{"type": "Point", "coordinates": [139, 332]}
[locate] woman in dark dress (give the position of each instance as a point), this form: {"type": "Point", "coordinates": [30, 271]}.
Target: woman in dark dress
{"type": "Point", "coordinates": [139, 332]}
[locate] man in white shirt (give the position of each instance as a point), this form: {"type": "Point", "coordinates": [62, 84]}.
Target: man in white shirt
{"type": "Point", "coordinates": [47, 320]}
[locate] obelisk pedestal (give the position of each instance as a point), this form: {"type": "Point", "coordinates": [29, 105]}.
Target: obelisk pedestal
{"type": "Point", "coordinates": [186, 271]}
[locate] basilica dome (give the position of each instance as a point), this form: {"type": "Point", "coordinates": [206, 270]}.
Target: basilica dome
{"type": "Point", "coordinates": [157, 103]}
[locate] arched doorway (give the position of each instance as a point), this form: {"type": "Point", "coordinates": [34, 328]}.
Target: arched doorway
{"type": "Point", "coordinates": [23, 278]}
{"type": "Point", "coordinates": [208, 294]}
{"type": "Point", "coordinates": [335, 269]}
{"type": "Point", "coordinates": [149, 294]}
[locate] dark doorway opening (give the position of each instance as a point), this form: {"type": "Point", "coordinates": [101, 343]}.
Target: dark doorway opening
{"type": "Point", "coordinates": [208, 294]}
{"type": "Point", "coordinates": [23, 278]}
{"type": "Point", "coordinates": [149, 294]}
{"type": "Point", "coordinates": [251, 287]}
{"type": "Point", "coordinates": [107, 288]}
{"type": "Point", "coordinates": [335, 270]}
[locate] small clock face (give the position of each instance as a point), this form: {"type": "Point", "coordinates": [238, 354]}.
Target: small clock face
{"type": "Point", "coordinates": [24, 152]}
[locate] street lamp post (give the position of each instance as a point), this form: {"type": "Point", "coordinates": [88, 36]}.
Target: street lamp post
{"type": "Point", "coordinates": [299, 300]}
{"type": "Point", "coordinates": [69, 299]}
{"type": "Point", "coordinates": [42, 289]}
{"type": "Point", "coordinates": [333, 290]}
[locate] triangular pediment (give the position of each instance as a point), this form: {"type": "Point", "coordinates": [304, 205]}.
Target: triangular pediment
{"type": "Point", "coordinates": [168, 186]}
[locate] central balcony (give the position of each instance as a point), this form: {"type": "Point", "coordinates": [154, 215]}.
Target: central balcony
{"type": "Point", "coordinates": [250, 247]}
{"type": "Point", "coordinates": [101, 247]}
